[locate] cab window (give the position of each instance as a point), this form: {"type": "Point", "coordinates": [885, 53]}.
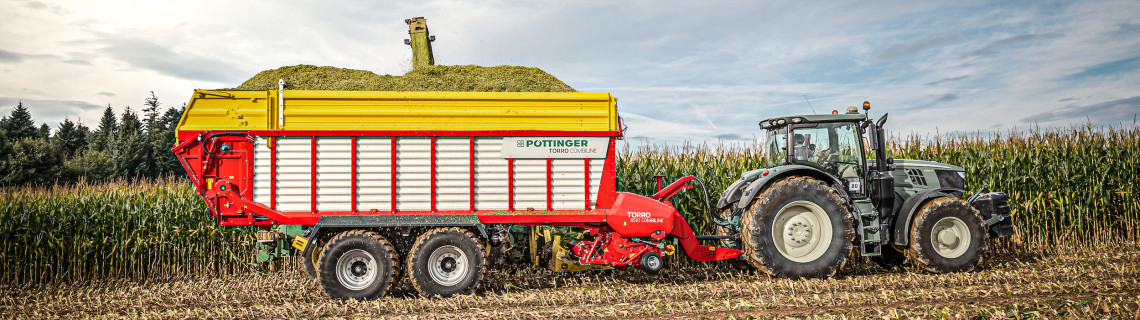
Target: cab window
{"type": "Point", "coordinates": [833, 146]}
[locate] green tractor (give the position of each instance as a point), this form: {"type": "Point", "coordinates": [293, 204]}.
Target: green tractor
{"type": "Point", "coordinates": [819, 194]}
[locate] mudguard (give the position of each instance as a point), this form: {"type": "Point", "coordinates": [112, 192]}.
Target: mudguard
{"type": "Point", "coordinates": [901, 228]}
{"type": "Point", "coordinates": [732, 193]}
{"type": "Point", "coordinates": [755, 187]}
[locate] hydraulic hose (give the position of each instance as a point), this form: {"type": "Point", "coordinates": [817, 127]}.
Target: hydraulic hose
{"type": "Point", "coordinates": [717, 220]}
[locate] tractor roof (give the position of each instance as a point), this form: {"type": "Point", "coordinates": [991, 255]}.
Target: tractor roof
{"type": "Point", "coordinates": [772, 123]}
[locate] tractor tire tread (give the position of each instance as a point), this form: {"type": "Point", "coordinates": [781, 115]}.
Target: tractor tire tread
{"type": "Point", "coordinates": [921, 257]}
{"type": "Point", "coordinates": [751, 241]}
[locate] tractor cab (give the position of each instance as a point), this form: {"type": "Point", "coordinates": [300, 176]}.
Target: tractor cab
{"type": "Point", "coordinates": [832, 143]}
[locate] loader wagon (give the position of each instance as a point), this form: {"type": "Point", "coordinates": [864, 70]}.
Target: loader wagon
{"type": "Point", "coordinates": [374, 187]}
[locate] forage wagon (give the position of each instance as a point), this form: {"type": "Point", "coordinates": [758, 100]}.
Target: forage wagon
{"type": "Point", "coordinates": [434, 187]}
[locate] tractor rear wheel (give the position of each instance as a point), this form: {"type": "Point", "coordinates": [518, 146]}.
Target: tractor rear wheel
{"type": "Point", "coordinates": [446, 261]}
{"type": "Point", "coordinates": [357, 264]}
{"type": "Point", "coordinates": [798, 227]}
{"type": "Point", "coordinates": [947, 235]}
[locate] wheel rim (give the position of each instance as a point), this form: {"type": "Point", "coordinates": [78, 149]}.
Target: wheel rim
{"type": "Point", "coordinates": [447, 265]}
{"type": "Point", "coordinates": [356, 269]}
{"type": "Point", "coordinates": [950, 237]}
{"type": "Point", "coordinates": [653, 262]}
{"type": "Point", "coordinates": [802, 231]}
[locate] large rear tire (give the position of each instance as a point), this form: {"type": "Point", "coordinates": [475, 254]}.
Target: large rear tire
{"type": "Point", "coordinates": [798, 227]}
{"type": "Point", "coordinates": [357, 264]}
{"type": "Point", "coordinates": [445, 262]}
{"type": "Point", "coordinates": [947, 235]}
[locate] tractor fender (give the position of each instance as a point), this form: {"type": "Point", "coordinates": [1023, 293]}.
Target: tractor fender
{"type": "Point", "coordinates": [755, 187]}
{"type": "Point", "coordinates": [901, 228]}
{"type": "Point", "coordinates": [733, 192]}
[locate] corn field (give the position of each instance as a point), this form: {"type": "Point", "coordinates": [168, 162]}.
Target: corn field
{"type": "Point", "coordinates": [1072, 186]}
{"type": "Point", "coordinates": [126, 229]}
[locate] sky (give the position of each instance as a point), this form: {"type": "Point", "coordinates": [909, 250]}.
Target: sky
{"type": "Point", "coordinates": [683, 70]}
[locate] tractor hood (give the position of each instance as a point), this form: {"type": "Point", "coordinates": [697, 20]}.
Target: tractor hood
{"type": "Point", "coordinates": [923, 164]}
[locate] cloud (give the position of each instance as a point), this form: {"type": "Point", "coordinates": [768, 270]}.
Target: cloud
{"type": "Point", "coordinates": [729, 136]}
{"type": "Point", "coordinates": [106, 94]}
{"type": "Point", "coordinates": [1107, 68]}
{"type": "Point", "coordinates": [79, 62]}
{"type": "Point", "coordinates": [1108, 112]}
{"type": "Point", "coordinates": [915, 46]}
{"type": "Point", "coordinates": [946, 98]}
{"type": "Point", "coordinates": [53, 8]}
{"type": "Point", "coordinates": [47, 111]}
{"type": "Point", "coordinates": [992, 48]}
{"type": "Point", "coordinates": [9, 56]}
{"type": "Point", "coordinates": [151, 56]}
{"type": "Point", "coordinates": [945, 80]}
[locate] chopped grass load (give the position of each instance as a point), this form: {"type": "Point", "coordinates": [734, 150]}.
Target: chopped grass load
{"type": "Point", "coordinates": [429, 78]}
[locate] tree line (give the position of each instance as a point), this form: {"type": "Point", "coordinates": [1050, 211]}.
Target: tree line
{"type": "Point", "coordinates": [130, 145]}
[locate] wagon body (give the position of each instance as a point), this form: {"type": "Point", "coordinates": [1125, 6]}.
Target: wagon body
{"type": "Point", "coordinates": [438, 184]}
{"type": "Point", "coordinates": [304, 155]}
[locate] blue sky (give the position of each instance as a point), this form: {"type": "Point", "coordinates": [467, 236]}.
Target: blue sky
{"type": "Point", "coordinates": [684, 70]}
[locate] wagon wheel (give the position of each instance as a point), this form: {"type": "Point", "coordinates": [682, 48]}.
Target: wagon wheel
{"type": "Point", "coordinates": [357, 264]}
{"type": "Point", "coordinates": [446, 261]}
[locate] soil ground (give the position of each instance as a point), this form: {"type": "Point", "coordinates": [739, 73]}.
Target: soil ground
{"type": "Point", "coordinates": [1089, 283]}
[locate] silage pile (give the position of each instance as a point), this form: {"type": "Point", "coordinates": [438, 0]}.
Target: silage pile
{"type": "Point", "coordinates": [430, 78]}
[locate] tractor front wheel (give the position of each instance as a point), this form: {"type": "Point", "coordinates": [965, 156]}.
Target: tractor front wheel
{"type": "Point", "coordinates": [798, 227]}
{"type": "Point", "coordinates": [947, 235]}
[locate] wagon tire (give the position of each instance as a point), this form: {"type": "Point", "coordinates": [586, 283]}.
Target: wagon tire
{"type": "Point", "coordinates": [357, 264]}
{"type": "Point", "coordinates": [947, 235]}
{"type": "Point", "coordinates": [445, 262]}
{"type": "Point", "coordinates": [798, 227]}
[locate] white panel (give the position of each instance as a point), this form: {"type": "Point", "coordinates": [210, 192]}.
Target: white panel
{"type": "Point", "coordinates": [530, 184]}
{"type": "Point", "coordinates": [334, 174]}
{"type": "Point", "coordinates": [413, 174]}
{"type": "Point", "coordinates": [294, 173]}
{"type": "Point", "coordinates": [374, 173]}
{"type": "Point", "coordinates": [453, 174]}
{"type": "Point", "coordinates": [262, 171]}
{"type": "Point", "coordinates": [490, 175]}
{"type": "Point", "coordinates": [568, 184]}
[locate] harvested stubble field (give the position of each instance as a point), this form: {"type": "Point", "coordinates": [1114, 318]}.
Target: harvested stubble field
{"type": "Point", "coordinates": [1065, 283]}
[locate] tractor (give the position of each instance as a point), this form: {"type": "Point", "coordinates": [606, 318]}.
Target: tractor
{"type": "Point", "coordinates": [828, 185]}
